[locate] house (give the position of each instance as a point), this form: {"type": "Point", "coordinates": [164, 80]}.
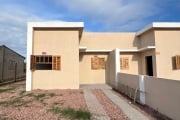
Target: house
{"type": "Point", "coordinates": [11, 65]}
{"type": "Point", "coordinates": [61, 55]}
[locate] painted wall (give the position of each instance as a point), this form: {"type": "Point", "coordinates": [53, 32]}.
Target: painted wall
{"type": "Point", "coordinates": [109, 41]}
{"type": "Point", "coordinates": [163, 95]}
{"type": "Point", "coordinates": [134, 63]}
{"type": "Point", "coordinates": [57, 42]}
{"type": "Point", "coordinates": [143, 62]}
{"type": "Point", "coordinates": [88, 75]}
{"type": "Point", "coordinates": [160, 94]}
{"type": "Point", "coordinates": [111, 69]}
{"type": "Point", "coordinates": [167, 46]}
{"type": "Point", "coordinates": [147, 39]}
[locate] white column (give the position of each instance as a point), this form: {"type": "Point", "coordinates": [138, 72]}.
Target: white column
{"type": "Point", "coordinates": [142, 89]}
{"type": "Point", "coordinates": [117, 66]}
{"type": "Point", "coordinates": [29, 52]}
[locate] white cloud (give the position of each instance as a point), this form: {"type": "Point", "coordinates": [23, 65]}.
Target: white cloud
{"type": "Point", "coordinates": [114, 13]}
{"type": "Point", "coordinates": [13, 26]}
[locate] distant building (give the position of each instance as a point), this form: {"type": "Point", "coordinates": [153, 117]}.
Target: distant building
{"type": "Point", "coordinates": [11, 65]}
{"type": "Point", "coordinates": [61, 55]}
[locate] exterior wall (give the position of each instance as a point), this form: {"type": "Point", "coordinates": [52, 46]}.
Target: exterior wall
{"type": "Point", "coordinates": [143, 61]}
{"type": "Point", "coordinates": [1, 62]}
{"type": "Point", "coordinates": [87, 75]}
{"type": "Point", "coordinates": [160, 94]}
{"type": "Point", "coordinates": [147, 39]}
{"type": "Point", "coordinates": [8, 60]}
{"type": "Point", "coordinates": [57, 42]}
{"type": "Point", "coordinates": [111, 67]}
{"type": "Point", "coordinates": [167, 46]}
{"type": "Point", "coordinates": [163, 95]}
{"type": "Point", "coordinates": [134, 63]}
{"type": "Point", "coordinates": [109, 41]}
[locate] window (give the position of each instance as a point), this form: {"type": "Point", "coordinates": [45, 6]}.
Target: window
{"type": "Point", "coordinates": [177, 59]}
{"type": "Point", "coordinates": [124, 63]}
{"type": "Point", "coordinates": [45, 62]}
{"type": "Point", "coordinates": [97, 63]}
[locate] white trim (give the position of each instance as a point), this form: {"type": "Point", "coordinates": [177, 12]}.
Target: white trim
{"type": "Point", "coordinates": [98, 51]}
{"type": "Point", "coordinates": [159, 25]}
{"type": "Point", "coordinates": [117, 68]}
{"type": "Point", "coordinates": [57, 24]}
{"type": "Point", "coordinates": [142, 89]}
{"type": "Point", "coordinates": [29, 52]}
{"type": "Point", "coordinates": [128, 50]}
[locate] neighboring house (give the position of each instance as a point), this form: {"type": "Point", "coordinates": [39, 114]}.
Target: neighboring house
{"type": "Point", "coordinates": [60, 55]}
{"type": "Point", "coordinates": [11, 65]}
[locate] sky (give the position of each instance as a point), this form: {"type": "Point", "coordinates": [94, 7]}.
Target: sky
{"type": "Point", "coordinates": [98, 16]}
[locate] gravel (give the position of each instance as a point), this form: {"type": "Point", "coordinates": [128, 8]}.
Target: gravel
{"type": "Point", "coordinates": [16, 104]}
{"type": "Point", "coordinates": [112, 110]}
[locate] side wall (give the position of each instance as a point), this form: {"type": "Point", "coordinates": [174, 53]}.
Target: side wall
{"type": "Point", "coordinates": [57, 42]}
{"type": "Point", "coordinates": [147, 39]}
{"type": "Point", "coordinates": [143, 61]}
{"type": "Point", "coordinates": [86, 74]}
{"type": "Point", "coordinates": [10, 59]}
{"type": "Point", "coordinates": [134, 63]}
{"type": "Point", "coordinates": [109, 41]}
{"type": "Point", "coordinates": [1, 62]}
{"type": "Point", "coordinates": [163, 95]}
{"type": "Point", "coordinates": [160, 94]}
{"type": "Point", "coordinates": [167, 46]}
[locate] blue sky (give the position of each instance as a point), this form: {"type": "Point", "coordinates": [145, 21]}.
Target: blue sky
{"type": "Point", "coordinates": [98, 15]}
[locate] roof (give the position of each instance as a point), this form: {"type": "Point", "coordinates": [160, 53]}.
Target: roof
{"type": "Point", "coordinates": [168, 25]}
{"type": "Point", "coordinates": [57, 24]}
{"type": "Point", "coordinates": [12, 51]}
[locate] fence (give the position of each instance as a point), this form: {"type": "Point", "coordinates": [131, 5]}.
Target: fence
{"type": "Point", "coordinates": [160, 94]}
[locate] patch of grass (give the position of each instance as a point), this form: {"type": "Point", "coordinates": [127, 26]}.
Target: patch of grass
{"type": "Point", "coordinates": [51, 94]}
{"type": "Point", "coordinates": [17, 102]}
{"type": "Point", "coordinates": [40, 97]}
{"type": "Point", "coordinates": [71, 113]}
{"type": "Point", "coordinates": [22, 92]}
{"type": "Point", "coordinates": [7, 89]}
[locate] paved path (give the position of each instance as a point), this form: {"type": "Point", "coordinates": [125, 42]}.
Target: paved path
{"type": "Point", "coordinates": [131, 112]}
{"type": "Point", "coordinates": [94, 106]}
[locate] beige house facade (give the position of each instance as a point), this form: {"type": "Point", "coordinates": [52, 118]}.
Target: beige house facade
{"type": "Point", "coordinates": [60, 55]}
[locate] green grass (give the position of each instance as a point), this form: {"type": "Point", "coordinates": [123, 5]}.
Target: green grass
{"type": "Point", "coordinates": [7, 89]}
{"type": "Point", "coordinates": [16, 102]}
{"type": "Point", "coordinates": [71, 113]}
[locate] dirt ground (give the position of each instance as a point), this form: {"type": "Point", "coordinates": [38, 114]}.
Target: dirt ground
{"type": "Point", "coordinates": [16, 104]}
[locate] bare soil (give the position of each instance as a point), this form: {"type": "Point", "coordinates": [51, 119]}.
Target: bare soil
{"type": "Point", "coordinates": [16, 104]}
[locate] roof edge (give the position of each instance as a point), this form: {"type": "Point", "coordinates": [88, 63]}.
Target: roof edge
{"type": "Point", "coordinates": [159, 25]}
{"type": "Point", "coordinates": [57, 24]}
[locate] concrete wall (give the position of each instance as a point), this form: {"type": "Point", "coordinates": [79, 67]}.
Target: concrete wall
{"type": "Point", "coordinates": [167, 46]}
{"type": "Point", "coordinates": [147, 39]}
{"type": "Point", "coordinates": [57, 42]}
{"type": "Point", "coordinates": [163, 95]}
{"type": "Point", "coordinates": [111, 67]}
{"type": "Point", "coordinates": [143, 61]}
{"type": "Point", "coordinates": [160, 94]}
{"type": "Point", "coordinates": [134, 62]}
{"type": "Point", "coordinates": [86, 74]}
{"type": "Point", "coordinates": [8, 60]}
{"type": "Point", "coordinates": [1, 62]}
{"type": "Point", "coordinates": [109, 41]}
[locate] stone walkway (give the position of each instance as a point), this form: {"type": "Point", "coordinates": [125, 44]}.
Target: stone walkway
{"type": "Point", "coordinates": [96, 108]}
